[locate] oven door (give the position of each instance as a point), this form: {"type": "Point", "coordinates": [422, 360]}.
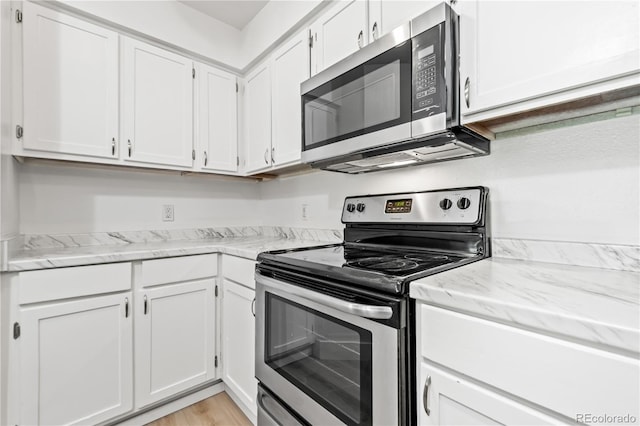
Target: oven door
{"type": "Point", "coordinates": [322, 357]}
{"type": "Point", "coordinates": [361, 102]}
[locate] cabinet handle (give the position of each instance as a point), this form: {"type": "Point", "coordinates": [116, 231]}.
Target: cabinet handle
{"type": "Point", "coordinates": [145, 305]}
{"type": "Point", "coordinates": [467, 83]}
{"type": "Point", "coordinates": [253, 306]}
{"type": "Point", "coordinates": [193, 155]}
{"type": "Point", "coordinates": [126, 307]}
{"type": "Point", "coordinates": [206, 159]}
{"type": "Point", "coordinates": [425, 396]}
{"type": "Point", "coordinates": [360, 39]}
{"type": "Point", "coordinates": [273, 154]}
{"type": "Point", "coordinates": [113, 146]}
{"type": "Point", "coordinates": [374, 31]}
{"type": "Point", "coordinates": [129, 146]}
{"type": "Point", "coordinates": [266, 153]}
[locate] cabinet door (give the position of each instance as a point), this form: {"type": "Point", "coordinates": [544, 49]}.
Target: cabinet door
{"type": "Point", "coordinates": [238, 342]}
{"type": "Point", "coordinates": [174, 339]}
{"type": "Point", "coordinates": [339, 32]}
{"type": "Point", "coordinates": [157, 105]}
{"type": "Point", "coordinates": [217, 117]}
{"type": "Point", "coordinates": [257, 107]}
{"type": "Point", "coordinates": [452, 400]}
{"type": "Point", "coordinates": [515, 52]}
{"type": "Point", "coordinates": [386, 15]}
{"type": "Point", "coordinates": [70, 84]}
{"type": "Point", "coordinates": [290, 68]}
{"type": "Point", "coordinates": [76, 361]}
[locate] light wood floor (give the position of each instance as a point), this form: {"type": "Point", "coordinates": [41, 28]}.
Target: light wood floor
{"type": "Point", "coordinates": [219, 410]}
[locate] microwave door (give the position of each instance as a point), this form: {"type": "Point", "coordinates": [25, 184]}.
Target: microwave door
{"type": "Point", "coordinates": [365, 107]}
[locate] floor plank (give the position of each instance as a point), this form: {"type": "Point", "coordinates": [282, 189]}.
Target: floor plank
{"type": "Point", "coordinates": [219, 410]}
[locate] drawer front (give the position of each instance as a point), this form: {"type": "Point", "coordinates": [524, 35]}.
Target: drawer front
{"type": "Point", "coordinates": [562, 376]}
{"type": "Point", "coordinates": [240, 270]}
{"type": "Point", "coordinates": [178, 269]}
{"type": "Point", "coordinates": [64, 283]}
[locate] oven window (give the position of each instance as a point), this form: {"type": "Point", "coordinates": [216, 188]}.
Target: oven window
{"type": "Point", "coordinates": [326, 358]}
{"type": "Point", "coordinates": [365, 99]}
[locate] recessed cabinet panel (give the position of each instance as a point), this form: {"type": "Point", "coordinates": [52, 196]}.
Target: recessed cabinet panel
{"type": "Point", "coordinates": [339, 32]}
{"type": "Point", "coordinates": [452, 400]}
{"type": "Point", "coordinates": [70, 84]}
{"type": "Point", "coordinates": [217, 130]}
{"type": "Point", "coordinates": [386, 15]}
{"type": "Point", "coordinates": [238, 344]}
{"type": "Point", "coordinates": [76, 361]}
{"type": "Point", "coordinates": [257, 105]}
{"type": "Point", "coordinates": [290, 68]}
{"type": "Point", "coordinates": [513, 52]}
{"type": "Point", "coordinates": [174, 339]}
{"type": "Point", "coordinates": [157, 99]}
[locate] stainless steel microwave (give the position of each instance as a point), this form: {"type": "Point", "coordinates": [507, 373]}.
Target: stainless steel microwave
{"type": "Point", "coordinates": [393, 103]}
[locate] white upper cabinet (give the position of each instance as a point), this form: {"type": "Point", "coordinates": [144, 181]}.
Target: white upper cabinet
{"type": "Point", "coordinates": [70, 84]}
{"type": "Point", "coordinates": [290, 67]}
{"type": "Point", "coordinates": [157, 105]}
{"type": "Point", "coordinates": [386, 15]}
{"type": "Point", "coordinates": [521, 55]}
{"type": "Point", "coordinates": [216, 120]}
{"type": "Point", "coordinates": [257, 109]}
{"type": "Point", "coordinates": [339, 32]}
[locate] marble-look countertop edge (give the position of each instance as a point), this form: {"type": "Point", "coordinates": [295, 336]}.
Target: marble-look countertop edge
{"type": "Point", "coordinates": [248, 247]}
{"type": "Point", "coordinates": [513, 292]}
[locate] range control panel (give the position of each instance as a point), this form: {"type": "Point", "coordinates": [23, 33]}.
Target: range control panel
{"type": "Point", "coordinates": [450, 206]}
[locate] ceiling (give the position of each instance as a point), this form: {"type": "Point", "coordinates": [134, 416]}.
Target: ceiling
{"type": "Point", "coordinates": [236, 13]}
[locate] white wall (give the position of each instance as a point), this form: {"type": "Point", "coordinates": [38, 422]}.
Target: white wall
{"type": "Point", "coordinates": [577, 183]}
{"type": "Point", "coordinates": [64, 199]}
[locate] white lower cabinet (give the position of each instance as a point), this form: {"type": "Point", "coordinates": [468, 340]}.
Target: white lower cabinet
{"type": "Point", "coordinates": [452, 400]}
{"type": "Point", "coordinates": [238, 332]}
{"type": "Point", "coordinates": [174, 339]}
{"type": "Point", "coordinates": [76, 361]}
{"type": "Point", "coordinates": [475, 371]}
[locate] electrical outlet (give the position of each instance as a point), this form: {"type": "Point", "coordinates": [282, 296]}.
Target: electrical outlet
{"type": "Point", "coordinates": [167, 213]}
{"type": "Point", "coordinates": [305, 212]}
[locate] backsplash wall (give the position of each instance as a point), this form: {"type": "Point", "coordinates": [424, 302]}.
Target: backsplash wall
{"type": "Point", "coordinates": [58, 199]}
{"type": "Point", "coordinates": [575, 183]}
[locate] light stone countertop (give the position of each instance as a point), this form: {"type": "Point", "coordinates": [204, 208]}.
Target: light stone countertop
{"type": "Point", "coordinates": [600, 306]}
{"type": "Point", "coordinates": [244, 246]}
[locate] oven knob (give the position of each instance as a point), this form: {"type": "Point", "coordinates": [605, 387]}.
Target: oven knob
{"type": "Point", "coordinates": [445, 204]}
{"type": "Point", "coordinates": [464, 203]}
{"type": "Point", "coordinates": [360, 207]}
{"type": "Point", "coordinates": [351, 207]}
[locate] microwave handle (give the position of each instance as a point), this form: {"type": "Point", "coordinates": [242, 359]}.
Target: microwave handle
{"type": "Point", "coordinates": [358, 309]}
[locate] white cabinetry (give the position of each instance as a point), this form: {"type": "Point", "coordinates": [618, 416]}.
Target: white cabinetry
{"type": "Point", "coordinates": [175, 333]}
{"type": "Point", "coordinates": [216, 119]}
{"type": "Point", "coordinates": [290, 67]}
{"type": "Point", "coordinates": [257, 109]}
{"type": "Point", "coordinates": [386, 15]}
{"type": "Point", "coordinates": [70, 85]}
{"type": "Point", "coordinates": [453, 400]}
{"type": "Point", "coordinates": [492, 373]}
{"type": "Point", "coordinates": [339, 32]}
{"type": "Point", "coordinates": [522, 55]}
{"type": "Point", "coordinates": [157, 105]}
{"type": "Point", "coordinates": [238, 331]}
{"type": "Point", "coordinates": [74, 356]}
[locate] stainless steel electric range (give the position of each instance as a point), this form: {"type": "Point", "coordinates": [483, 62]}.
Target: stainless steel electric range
{"type": "Point", "coordinates": [335, 339]}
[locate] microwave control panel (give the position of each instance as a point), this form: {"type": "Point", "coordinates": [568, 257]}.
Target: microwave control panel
{"type": "Point", "coordinates": [428, 73]}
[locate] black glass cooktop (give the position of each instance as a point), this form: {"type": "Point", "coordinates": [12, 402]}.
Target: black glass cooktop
{"type": "Point", "coordinates": [385, 268]}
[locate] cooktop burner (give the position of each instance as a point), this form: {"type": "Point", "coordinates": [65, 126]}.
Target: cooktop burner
{"type": "Point", "coordinates": [393, 239]}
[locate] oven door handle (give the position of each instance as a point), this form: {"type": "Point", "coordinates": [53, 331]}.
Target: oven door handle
{"type": "Point", "coordinates": [358, 309]}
